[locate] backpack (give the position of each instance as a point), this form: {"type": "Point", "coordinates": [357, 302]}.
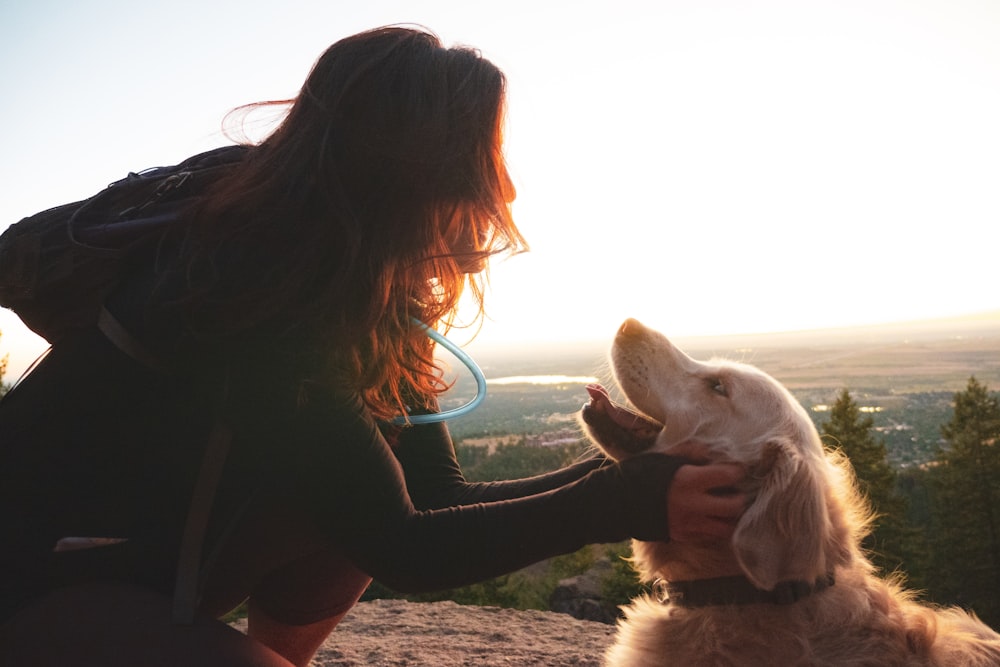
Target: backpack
{"type": "Point", "coordinates": [58, 266]}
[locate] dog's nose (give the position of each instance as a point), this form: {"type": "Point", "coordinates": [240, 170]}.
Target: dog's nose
{"type": "Point", "coordinates": [630, 327]}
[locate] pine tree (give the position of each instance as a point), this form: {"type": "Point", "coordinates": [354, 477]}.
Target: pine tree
{"type": "Point", "coordinates": [3, 370]}
{"type": "Point", "coordinates": [965, 484]}
{"type": "Point", "coordinates": [890, 543]}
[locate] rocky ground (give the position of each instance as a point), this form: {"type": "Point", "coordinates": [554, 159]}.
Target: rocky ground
{"type": "Point", "coordinates": [384, 633]}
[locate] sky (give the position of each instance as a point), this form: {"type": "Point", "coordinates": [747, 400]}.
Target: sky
{"type": "Point", "coordinates": [707, 166]}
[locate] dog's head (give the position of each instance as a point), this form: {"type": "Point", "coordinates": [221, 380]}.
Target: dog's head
{"type": "Point", "coordinates": [797, 527]}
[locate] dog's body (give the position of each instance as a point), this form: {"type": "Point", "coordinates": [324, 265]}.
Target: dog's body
{"type": "Point", "coordinates": [768, 593]}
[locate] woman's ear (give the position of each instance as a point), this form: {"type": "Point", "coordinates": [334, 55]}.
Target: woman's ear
{"type": "Point", "coordinates": [785, 532]}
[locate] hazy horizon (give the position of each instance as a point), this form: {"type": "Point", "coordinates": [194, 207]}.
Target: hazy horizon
{"type": "Point", "coordinates": [23, 347]}
{"type": "Point", "coordinates": [986, 321]}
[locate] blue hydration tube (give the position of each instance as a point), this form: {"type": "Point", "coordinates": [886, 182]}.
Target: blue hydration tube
{"type": "Point", "coordinates": [477, 373]}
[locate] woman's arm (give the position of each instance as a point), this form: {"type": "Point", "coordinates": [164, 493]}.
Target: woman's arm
{"type": "Point", "coordinates": [359, 494]}
{"type": "Point", "coordinates": [434, 478]}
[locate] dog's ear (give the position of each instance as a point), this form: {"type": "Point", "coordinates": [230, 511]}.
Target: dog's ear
{"type": "Point", "coordinates": [787, 532]}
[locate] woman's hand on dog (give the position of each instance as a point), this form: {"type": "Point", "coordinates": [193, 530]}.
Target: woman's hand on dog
{"type": "Point", "coordinates": [705, 502]}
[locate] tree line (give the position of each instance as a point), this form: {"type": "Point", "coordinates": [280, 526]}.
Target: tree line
{"type": "Point", "coordinates": [939, 523]}
{"type": "Point", "coordinates": [3, 370]}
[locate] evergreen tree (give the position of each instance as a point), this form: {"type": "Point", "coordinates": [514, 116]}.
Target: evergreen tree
{"type": "Point", "coordinates": [3, 370]}
{"type": "Point", "coordinates": [891, 542]}
{"type": "Point", "coordinates": [965, 484]}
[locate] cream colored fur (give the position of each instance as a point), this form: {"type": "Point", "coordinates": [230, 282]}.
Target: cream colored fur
{"type": "Point", "coordinates": [807, 519]}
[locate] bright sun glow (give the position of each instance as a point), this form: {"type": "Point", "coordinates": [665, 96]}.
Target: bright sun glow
{"type": "Point", "coordinates": [707, 167]}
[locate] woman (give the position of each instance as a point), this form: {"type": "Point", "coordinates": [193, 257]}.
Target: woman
{"type": "Point", "coordinates": [284, 307]}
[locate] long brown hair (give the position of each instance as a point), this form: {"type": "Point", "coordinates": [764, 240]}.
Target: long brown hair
{"type": "Point", "coordinates": [378, 199]}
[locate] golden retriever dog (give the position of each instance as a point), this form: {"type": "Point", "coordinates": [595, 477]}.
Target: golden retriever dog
{"type": "Point", "coordinates": [792, 586]}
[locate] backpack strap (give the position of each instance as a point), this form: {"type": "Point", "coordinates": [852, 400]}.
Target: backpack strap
{"type": "Point", "coordinates": [116, 332]}
{"type": "Point", "coordinates": [186, 584]}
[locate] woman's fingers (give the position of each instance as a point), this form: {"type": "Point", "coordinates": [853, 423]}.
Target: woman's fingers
{"type": "Point", "coordinates": [705, 502]}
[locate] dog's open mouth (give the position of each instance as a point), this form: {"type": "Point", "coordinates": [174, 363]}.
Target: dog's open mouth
{"type": "Point", "coordinates": [616, 427]}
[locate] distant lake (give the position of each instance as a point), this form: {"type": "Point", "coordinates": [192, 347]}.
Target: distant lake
{"type": "Point", "coordinates": [543, 379]}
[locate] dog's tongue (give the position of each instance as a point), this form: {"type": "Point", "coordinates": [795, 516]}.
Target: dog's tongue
{"type": "Point", "coordinates": [601, 401]}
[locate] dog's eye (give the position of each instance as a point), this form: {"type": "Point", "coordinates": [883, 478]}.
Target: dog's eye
{"type": "Point", "coordinates": [715, 384]}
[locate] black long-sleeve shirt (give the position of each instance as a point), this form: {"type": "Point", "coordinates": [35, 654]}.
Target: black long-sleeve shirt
{"type": "Point", "coordinates": [93, 444]}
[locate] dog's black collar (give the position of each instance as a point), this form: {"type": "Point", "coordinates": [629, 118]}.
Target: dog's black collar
{"type": "Point", "coordinates": [737, 591]}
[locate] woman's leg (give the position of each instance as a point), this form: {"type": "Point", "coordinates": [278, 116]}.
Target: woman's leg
{"type": "Point", "coordinates": [296, 643]}
{"type": "Point", "coordinates": [118, 625]}
{"type": "Point", "coordinates": [296, 607]}
{"type": "Point", "coordinates": [299, 584]}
